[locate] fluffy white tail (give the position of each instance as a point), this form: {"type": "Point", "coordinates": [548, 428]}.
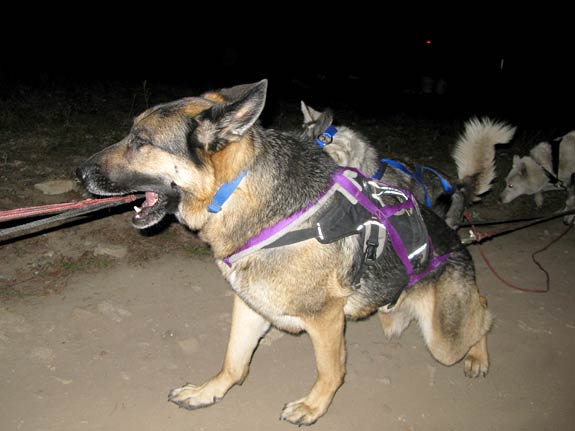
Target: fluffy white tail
{"type": "Point", "coordinates": [474, 152]}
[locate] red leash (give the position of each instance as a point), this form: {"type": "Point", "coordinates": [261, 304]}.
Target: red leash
{"type": "Point", "coordinates": [58, 208]}
{"type": "Point", "coordinates": [65, 210]}
{"type": "Point", "coordinates": [480, 237]}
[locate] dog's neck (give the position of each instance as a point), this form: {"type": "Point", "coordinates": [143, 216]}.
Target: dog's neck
{"type": "Point", "coordinates": [285, 175]}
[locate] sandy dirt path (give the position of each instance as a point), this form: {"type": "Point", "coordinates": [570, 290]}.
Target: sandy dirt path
{"type": "Point", "coordinates": [103, 353]}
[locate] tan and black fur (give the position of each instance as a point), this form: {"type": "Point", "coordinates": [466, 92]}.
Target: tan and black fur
{"type": "Point", "coordinates": [182, 152]}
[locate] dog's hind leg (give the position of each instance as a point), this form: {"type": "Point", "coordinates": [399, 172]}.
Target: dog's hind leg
{"type": "Point", "coordinates": [326, 331]}
{"type": "Point", "coordinates": [454, 320]}
{"type": "Point", "coordinates": [247, 329]}
{"type": "Point", "coordinates": [477, 359]}
{"type": "Point", "coordinates": [394, 321]}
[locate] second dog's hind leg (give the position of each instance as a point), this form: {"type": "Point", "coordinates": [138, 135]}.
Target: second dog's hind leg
{"type": "Point", "coordinates": [247, 328]}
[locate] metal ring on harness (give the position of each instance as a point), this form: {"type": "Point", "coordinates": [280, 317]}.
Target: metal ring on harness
{"type": "Point", "coordinates": [326, 137]}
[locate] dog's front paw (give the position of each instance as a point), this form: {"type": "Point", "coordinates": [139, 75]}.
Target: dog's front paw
{"type": "Point", "coordinates": [475, 366]}
{"type": "Point", "coordinates": [300, 413]}
{"type": "Point", "coordinates": [193, 397]}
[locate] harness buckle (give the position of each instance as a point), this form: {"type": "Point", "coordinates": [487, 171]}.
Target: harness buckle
{"type": "Point", "coordinates": [370, 255]}
{"type": "Point", "coordinates": [326, 137]}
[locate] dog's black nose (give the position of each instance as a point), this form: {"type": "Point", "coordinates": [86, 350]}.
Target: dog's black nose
{"type": "Point", "coordinates": [84, 171]}
{"type": "Point", "coordinates": [80, 173]}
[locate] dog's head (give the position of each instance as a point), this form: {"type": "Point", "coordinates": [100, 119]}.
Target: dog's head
{"type": "Point", "coordinates": [315, 122]}
{"type": "Point", "coordinates": [524, 178]}
{"type": "Point", "coordinates": [182, 149]}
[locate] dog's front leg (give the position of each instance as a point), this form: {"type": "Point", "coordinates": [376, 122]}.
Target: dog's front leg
{"type": "Point", "coordinates": [247, 328]}
{"type": "Point", "coordinates": [326, 331]}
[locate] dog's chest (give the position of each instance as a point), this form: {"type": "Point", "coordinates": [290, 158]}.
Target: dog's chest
{"type": "Point", "coordinates": [265, 297]}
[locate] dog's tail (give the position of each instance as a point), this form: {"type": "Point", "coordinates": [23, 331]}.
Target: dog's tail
{"type": "Point", "coordinates": [474, 154]}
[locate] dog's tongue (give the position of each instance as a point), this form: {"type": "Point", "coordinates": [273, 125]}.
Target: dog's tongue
{"type": "Point", "coordinates": [151, 199]}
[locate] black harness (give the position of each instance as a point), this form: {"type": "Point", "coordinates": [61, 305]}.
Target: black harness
{"type": "Point", "coordinates": [553, 176]}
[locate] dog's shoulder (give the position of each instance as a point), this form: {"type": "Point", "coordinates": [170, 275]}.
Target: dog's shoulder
{"type": "Point", "coordinates": [541, 154]}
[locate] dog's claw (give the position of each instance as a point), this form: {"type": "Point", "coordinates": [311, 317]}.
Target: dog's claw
{"type": "Point", "coordinates": [192, 397]}
{"type": "Point", "coordinates": [300, 414]}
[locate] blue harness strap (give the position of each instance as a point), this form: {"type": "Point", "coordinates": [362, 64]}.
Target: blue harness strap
{"type": "Point", "coordinates": [402, 168]}
{"type": "Point", "coordinates": [224, 192]}
{"type": "Point", "coordinates": [444, 183]}
{"type": "Point", "coordinates": [417, 177]}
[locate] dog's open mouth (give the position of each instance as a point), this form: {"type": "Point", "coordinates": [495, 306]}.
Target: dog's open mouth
{"type": "Point", "coordinates": [152, 210]}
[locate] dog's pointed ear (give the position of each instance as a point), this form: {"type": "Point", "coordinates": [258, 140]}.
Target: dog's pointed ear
{"type": "Point", "coordinates": [229, 121]}
{"type": "Point", "coordinates": [229, 94]}
{"type": "Point", "coordinates": [236, 92]}
{"type": "Point", "coordinates": [315, 122]}
{"type": "Point", "coordinates": [310, 115]}
{"type": "Point", "coordinates": [323, 121]}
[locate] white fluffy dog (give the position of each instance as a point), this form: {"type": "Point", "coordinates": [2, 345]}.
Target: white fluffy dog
{"type": "Point", "coordinates": [535, 173]}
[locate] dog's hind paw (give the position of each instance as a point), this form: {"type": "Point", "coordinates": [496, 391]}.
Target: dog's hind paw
{"type": "Point", "coordinates": [193, 397]}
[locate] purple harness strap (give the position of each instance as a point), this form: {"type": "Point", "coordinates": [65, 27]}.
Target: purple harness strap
{"type": "Point", "coordinates": [268, 232]}
{"type": "Point", "coordinates": [382, 215]}
{"type": "Point", "coordinates": [435, 263]}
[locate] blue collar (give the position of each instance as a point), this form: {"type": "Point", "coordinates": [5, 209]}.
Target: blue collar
{"type": "Point", "coordinates": [326, 137]}
{"type": "Point", "coordinates": [224, 192]}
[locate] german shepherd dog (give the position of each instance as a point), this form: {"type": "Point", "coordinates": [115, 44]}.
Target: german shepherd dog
{"type": "Point", "coordinates": [473, 154]}
{"type": "Point", "coordinates": [181, 153]}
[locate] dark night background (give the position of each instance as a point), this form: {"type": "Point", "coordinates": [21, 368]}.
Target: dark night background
{"type": "Point", "coordinates": [365, 65]}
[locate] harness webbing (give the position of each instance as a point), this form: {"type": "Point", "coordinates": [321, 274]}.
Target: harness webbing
{"type": "Point", "coordinates": [272, 233]}
{"type": "Point", "coordinates": [553, 176]}
{"type": "Point", "coordinates": [275, 236]}
{"type": "Point", "coordinates": [382, 215]}
{"type": "Point", "coordinates": [417, 177]}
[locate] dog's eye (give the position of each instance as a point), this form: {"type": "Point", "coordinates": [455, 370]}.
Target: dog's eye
{"type": "Point", "coordinates": [138, 143]}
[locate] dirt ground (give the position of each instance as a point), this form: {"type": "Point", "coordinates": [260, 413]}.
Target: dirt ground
{"type": "Point", "coordinates": [98, 322]}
